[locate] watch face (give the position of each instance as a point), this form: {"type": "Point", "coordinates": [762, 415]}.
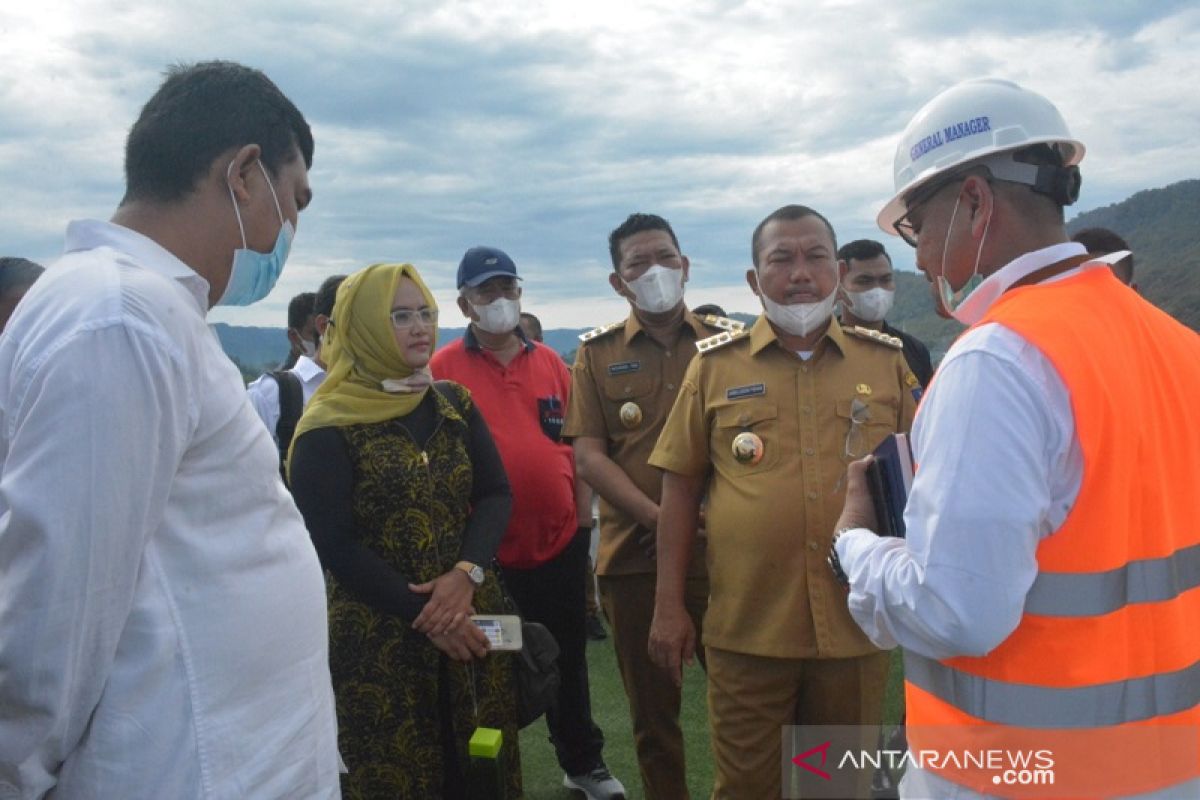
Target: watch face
{"type": "Point", "coordinates": [476, 575]}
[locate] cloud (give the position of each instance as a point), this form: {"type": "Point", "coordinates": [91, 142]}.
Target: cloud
{"type": "Point", "coordinates": [537, 127]}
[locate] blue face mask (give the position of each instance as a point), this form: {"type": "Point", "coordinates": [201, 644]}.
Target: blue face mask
{"type": "Point", "coordinates": [254, 274]}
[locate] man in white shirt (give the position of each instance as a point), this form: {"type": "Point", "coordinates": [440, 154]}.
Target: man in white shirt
{"type": "Point", "coordinates": [162, 608]}
{"type": "Point", "coordinates": [279, 397]}
{"type": "Point", "coordinates": [1044, 585]}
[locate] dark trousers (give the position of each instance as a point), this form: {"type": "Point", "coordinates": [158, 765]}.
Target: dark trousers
{"type": "Point", "coordinates": [553, 594]}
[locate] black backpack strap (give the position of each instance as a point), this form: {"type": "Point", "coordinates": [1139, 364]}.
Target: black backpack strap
{"type": "Point", "coordinates": [291, 406]}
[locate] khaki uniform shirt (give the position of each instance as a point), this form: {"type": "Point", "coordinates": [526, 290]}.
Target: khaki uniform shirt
{"type": "Point", "coordinates": [770, 523]}
{"type": "Point", "coordinates": [616, 365]}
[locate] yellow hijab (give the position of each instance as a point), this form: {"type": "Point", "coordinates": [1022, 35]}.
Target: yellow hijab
{"type": "Point", "coordinates": [360, 353]}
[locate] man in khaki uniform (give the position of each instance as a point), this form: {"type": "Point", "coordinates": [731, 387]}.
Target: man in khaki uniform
{"type": "Point", "coordinates": [766, 422]}
{"type": "Point", "coordinates": [624, 383]}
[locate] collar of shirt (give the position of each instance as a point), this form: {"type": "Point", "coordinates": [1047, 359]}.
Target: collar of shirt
{"type": "Point", "coordinates": [989, 291]}
{"type": "Point", "coordinates": [762, 334]}
{"type": "Point", "coordinates": [633, 325]}
{"type": "Point", "coordinates": [306, 369]}
{"type": "Point", "coordinates": [471, 341]}
{"type": "Point", "coordinates": [88, 234]}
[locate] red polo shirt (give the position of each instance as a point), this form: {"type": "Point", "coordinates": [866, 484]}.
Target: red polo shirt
{"type": "Point", "coordinates": [523, 404]}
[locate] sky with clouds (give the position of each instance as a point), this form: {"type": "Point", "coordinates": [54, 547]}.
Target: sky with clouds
{"type": "Point", "coordinates": [537, 127]}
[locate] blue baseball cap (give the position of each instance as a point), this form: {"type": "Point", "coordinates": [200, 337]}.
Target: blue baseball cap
{"type": "Point", "coordinates": [481, 263]}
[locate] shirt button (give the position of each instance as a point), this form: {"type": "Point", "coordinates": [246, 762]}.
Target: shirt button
{"type": "Point", "coordinates": [805, 409]}
{"type": "Point", "coordinates": [812, 545]}
{"type": "Point", "coordinates": [812, 495]}
{"type": "Point", "coordinates": [670, 387]}
{"type": "Point", "coordinates": [808, 451]}
{"type": "Point", "coordinates": [668, 354]}
{"type": "Point", "coordinates": [804, 369]}
{"type": "Point", "coordinates": [628, 389]}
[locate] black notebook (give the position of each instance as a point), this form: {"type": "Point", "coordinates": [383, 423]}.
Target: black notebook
{"type": "Point", "coordinates": [889, 477]}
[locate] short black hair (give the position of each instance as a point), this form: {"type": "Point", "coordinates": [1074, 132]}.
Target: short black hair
{"type": "Point", "coordinates": [709, 308]}
{"type": "Point", "coordinates": [786, 213]}
{"type": "Point", "coordinates": [862, 250]}
{"type": "Point", "coordinates": [537, 324]}
{"type": "Point", "coordinates": [637, 223]}
{"type": "Point", "coordinates": [1101, 241]}
{"type": "Point", "coordinates": [300, 309]}
{"type": "Point", "coordinates": [327, 295]}
{"type": "Point", "coordinates": [18, 273]}
{"type": "Point", "coordinates": [200, 111]}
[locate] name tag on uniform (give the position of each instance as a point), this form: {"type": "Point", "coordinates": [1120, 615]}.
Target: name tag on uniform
{"type": "Point", "coordinates": [624, 367]}
{"type": "Point", "coordinates": [742, 392]}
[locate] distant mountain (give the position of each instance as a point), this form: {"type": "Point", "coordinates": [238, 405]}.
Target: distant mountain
{"type": "Point", "coordinates": [258, 350]}
{"type": "Point", "coordinates": [1161, 228]}
{"type": "Point", "coordinates": [255, 350]}
{"type": "Point", "coordinates": [1159, 224]}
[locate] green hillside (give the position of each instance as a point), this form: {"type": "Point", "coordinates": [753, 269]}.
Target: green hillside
{"type": "Point", "coordinates": [1162, 227]}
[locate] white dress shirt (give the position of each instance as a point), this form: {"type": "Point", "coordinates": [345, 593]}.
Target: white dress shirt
{"type": "Point", "coordinates": [999, 468]}
{"type": "Point", "coordinates": [264, 391]}
{"type": "Point", "coordinates": [162, 610]}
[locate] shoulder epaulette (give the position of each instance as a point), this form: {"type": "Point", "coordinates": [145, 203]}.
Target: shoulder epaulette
{"type": "Point", "coordinates": [603, 330]}
{"type": "Point", "coordinates": [875, 336]}
{"type": "Point", "coordinates": [720, 340]}
{"type": "Point", "coordinates": [724, 323]}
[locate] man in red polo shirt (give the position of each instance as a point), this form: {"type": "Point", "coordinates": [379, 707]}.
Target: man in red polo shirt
{"type": "Point", "coordinates": [521, 389]}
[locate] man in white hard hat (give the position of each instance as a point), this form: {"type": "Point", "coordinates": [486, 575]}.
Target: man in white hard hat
{"type": "Point", "coordinates": [1047, 595]}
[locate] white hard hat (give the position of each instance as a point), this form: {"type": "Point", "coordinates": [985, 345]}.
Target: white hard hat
{"type": "Point", "coordinates": [970, 122]}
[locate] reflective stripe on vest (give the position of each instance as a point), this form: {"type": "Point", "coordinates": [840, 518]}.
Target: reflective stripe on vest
{"type": "Point", "coordinates": [1027, 706]}
{"type": "Point", "coordinates": [1108, 646]}
{"type": "Point", "coordinates": [1090, 594]}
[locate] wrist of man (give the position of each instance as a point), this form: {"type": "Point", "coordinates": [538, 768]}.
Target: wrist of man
{"type": "Point", "coordinates": [835, 561]}
{"type": "Point", "coordinates": [845, 537]}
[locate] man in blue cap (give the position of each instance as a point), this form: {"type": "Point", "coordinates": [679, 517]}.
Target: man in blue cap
{"type": "Point", "coordinates": [521, 387]}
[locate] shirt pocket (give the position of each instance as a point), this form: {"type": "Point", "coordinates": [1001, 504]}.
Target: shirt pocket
{"type": "Point", "coordinates": [620, 388]}
{"type": "Point", "coordinates": [862, 425]}
{"type": "Point", "coordinates": [759, 419]}
{"type": "Point", "coordinates": [639, 388]}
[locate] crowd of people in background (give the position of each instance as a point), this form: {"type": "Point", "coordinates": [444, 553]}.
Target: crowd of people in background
{"type": "Point", "coordinates": [210, 590]}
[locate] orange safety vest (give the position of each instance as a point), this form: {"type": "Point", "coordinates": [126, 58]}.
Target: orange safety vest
{"type": "Point", "coordinates": [1105, 663]}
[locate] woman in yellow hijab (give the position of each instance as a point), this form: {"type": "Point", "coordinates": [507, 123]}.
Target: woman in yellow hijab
{"type": "Point", "coordinates": [403, 493]}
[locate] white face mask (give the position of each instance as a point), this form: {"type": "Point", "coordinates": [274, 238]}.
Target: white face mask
{"type": "Point", "coordinates": [658, 289]}
{"type": "Point", "coordinates": [800, 319]}
{"type": "Point", "coordinates": [308, 348]}
{"type": "Point", "coordinates": [499, 316]}
{"type": "Point", "coordinates": [871, 305]}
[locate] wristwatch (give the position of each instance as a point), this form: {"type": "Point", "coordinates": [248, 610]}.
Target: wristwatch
{"type": "Point", "coordinates": [474, 571]}
{"type": "Point", "coordinates": [835, 563]}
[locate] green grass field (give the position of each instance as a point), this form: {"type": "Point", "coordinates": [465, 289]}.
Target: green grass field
{"type": "Point", "coordinates": [543, 778]}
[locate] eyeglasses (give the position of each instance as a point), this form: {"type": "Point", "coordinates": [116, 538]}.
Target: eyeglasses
{"type": "Point", "coordinates": [492, 290]}
{"type": "Point", "coordinates": [860, 414]}
{"type": "Point", "coordinates": [909, 232]}
{"type": "Point", "coordinates": [405, 318]}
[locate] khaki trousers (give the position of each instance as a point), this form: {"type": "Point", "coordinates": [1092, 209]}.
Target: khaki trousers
{"type": "Point", "coordinates": [750, 699]}
{"type": "Point", "coordinates": [654, 700]}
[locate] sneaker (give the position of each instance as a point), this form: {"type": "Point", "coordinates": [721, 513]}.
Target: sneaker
{"type": "Point", "coordinates": [599, 784]}
{"type": "Point", "coordinates": [595, 628]}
